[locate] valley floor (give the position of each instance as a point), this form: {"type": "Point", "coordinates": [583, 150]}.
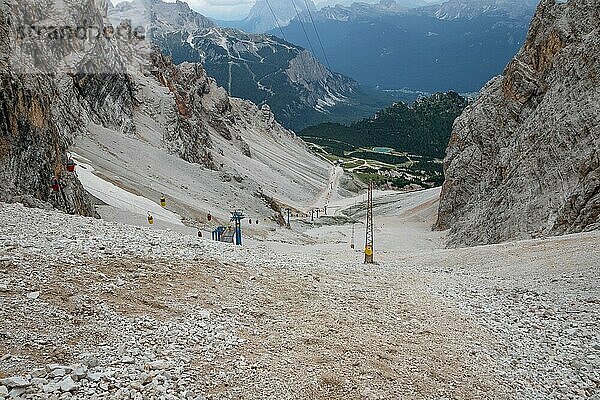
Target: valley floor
{"type": "Point", "coordinates": [104, 310]}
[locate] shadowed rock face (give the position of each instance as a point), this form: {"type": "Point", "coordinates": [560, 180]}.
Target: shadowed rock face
{"type": "Point", "coordinates": [52, 89]}
{"type": "Point", "coordinates": [33, 146]}
{"type": "Point", "coordinates": [524, 159]}
{"type": "Point", "coordinates": [37, 125]}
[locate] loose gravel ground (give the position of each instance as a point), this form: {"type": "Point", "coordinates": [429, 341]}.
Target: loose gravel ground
{"type": "Point", "coordinates": [91, 309]}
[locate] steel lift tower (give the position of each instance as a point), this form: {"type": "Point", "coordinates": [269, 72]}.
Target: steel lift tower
{"type": "Point", "coordinates": [237, 216]}
{"type": "Point", "coordinates": [369, 233]}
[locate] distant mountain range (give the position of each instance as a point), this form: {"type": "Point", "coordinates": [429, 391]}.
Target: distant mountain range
{"type": "Point", "coordinates": [380, 49]}
{"type": "Point", "coordinates": [402, 3]}
{"type": "Point", "coordinates": [469, 9]}
{"type": "Point", "coordinates": [261, 17]}
{"type": "Point", "coordinates": [458, 45]}
{"type": "Point", "coordinates": [156, 15]}
{"type": "Point", "coordinates": [262, 68]}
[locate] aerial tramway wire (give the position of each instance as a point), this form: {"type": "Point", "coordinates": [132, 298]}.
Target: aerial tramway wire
{"type": "Point", "coordinates": [303, 28]}
{"type": "Point", "coordinates": [276, 20]}
{"type": "Point", "coordinates": [317, 33]}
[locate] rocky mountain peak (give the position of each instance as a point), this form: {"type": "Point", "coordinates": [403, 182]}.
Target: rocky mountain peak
{"type": "Point", "coordinates": [258, 67]}
{"type": "Point", "coordinates": [468, 9]}
{"type": "Point", "coordinates": [524, 159]}
{"type": "Point", "coordinates": [342, 12]}
{"type": "Point", "coordinates": [157, 13]}
{"type": "Point", "coordinates": [260, 18]}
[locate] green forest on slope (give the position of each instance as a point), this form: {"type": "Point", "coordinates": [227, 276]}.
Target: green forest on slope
{"type": "Point", "coordinates": [422, 128]}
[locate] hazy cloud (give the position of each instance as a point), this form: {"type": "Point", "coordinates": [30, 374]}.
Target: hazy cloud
{"type": "Point", "coordinates": [238, 9]}
{"type": "Point", "coordinates": [218, 9]}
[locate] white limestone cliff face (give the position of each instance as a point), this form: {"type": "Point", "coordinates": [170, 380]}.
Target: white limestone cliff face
{"type": "Point", "coordinates": [122, 89]}
{"type": "Point", "coordinates": [524, 159]}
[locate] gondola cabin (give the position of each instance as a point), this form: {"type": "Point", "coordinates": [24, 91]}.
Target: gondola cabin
{"type": "Point", "coordinates": [54, 184]}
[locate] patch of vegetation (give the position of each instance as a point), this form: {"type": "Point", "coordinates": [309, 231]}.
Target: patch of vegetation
{"type": "Point", "coordinates": [428, 166]}
{"type": "Point", "coordinates": [353, 164]}
{"type": "Point", "coordinates": [372, 177]}
{"type": "Point", "coordinates": [397, 172]}
{"type": "Point", "coordinates": [417, 133]}
{"type": "Point", "coordinates": [384, 158]}
{"type": "Point", "coordinates": [330, 143]}
{"type": "Point", "coordinates": [422, 128]}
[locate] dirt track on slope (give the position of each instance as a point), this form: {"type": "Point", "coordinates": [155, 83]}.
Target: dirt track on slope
{"type": "Point", "coordinates": [322, 333]}
{"type": "Point", "coordinates": [256, 323]}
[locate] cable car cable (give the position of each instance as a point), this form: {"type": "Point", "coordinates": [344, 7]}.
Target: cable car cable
{"type": "Point", "coordinates": [303, 28]}
{"type": "Point", "coordinates": [276, 20]}
{"type": "Point", "coordinates": [318, 36]}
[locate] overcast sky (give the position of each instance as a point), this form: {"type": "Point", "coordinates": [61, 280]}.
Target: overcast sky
{"type": "Point", "coordinates": [218, 9]}
{"type": "Point", "coordinates": [231, 10]}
